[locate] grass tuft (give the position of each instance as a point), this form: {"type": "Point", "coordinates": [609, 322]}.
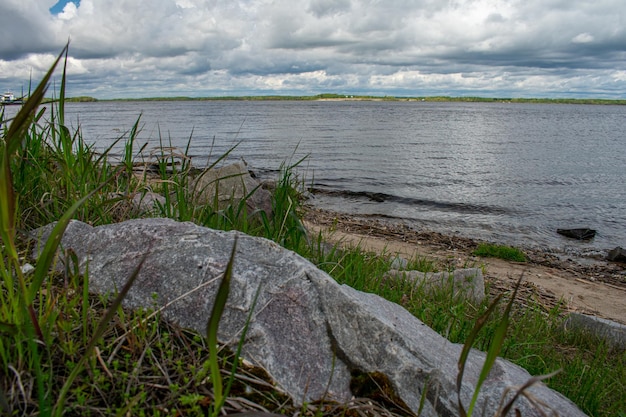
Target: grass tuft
{"type": "Point", "coordinates": [507, 253]}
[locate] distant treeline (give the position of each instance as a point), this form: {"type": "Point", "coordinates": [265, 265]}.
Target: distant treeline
{"type": "Point", "coordinates": [527, 100]}
{"type": "Point", "coordinates": [84, 99]}
{"type": "Point", "coordinates": [81, 99]}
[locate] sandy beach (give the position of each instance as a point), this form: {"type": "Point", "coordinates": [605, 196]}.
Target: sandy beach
{"type": "Point", "coordinates": [591, 286]}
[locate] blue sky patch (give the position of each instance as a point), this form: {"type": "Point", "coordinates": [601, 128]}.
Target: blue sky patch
{"type": "Point", "coordinates": [58, 8]}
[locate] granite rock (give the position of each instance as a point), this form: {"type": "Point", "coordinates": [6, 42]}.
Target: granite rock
{"type": "Point", "coordinates": [308, 332]}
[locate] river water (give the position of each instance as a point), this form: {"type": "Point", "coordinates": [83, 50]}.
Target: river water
{"type": "Point", "coordinates": [507, 173]}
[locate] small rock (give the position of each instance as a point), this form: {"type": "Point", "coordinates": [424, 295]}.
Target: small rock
{"type": "Point", "coordinates": [27, 269]}
{"type": "Point", "coordinates": [617, 255]}
{"type": "Point", "coordinates": [399, 263]}
{"type": "Point", "coordinates": [148, 202]}
{"type": "Point", "coordinates": [580, 234]}
{"type": "Point", "coordinates": [139, 203]}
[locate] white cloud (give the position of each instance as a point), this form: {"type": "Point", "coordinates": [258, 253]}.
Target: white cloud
{"type": "Point", "coordinates": [69, 12]}
{"type": "Point", "coordinates": [206, 47]}
{"type": "Point", "coordinates": [583, 38]}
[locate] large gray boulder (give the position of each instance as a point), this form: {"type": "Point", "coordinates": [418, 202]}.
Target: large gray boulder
{"type": "Point", "coordinates": [229, 185]}
{"type": "Point", "coordinates": [310, 333]}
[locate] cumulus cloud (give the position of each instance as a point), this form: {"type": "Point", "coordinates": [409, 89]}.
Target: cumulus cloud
{"type": "Point", "coordinates": [69, 11]}
{"type": "Point", "coordinates": [409, 47]}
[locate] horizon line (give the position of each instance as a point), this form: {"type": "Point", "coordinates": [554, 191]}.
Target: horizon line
{"type": "Point", "coordinates": [348, 97]}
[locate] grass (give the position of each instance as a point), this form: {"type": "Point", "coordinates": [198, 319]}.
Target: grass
{"type": "Point", "coordinates": [507, 253]}
{"type": "Point", "coordinates": [66, 351]}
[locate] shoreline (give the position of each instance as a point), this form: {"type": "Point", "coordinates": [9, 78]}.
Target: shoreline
{"type": "Point", "coordinates": [534, 236]}
{"type": "Point", "coordinates": [596, 287]}
{"type": "Point", "coordinates": [359, 97]}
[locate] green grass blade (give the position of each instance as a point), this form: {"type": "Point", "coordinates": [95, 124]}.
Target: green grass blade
{"type": "Point", "coordinates": [102, 327]}
{"type": "Point", "coordinates": [233, 371]}
{"type": "Point", "coordinates": [7, 205]}
{"type": "Point", "coordinates": [480, 323]}
{"type": "Point", "coordinates": [52, 243]}
{"type": "Point", "coordinates": [532, 381]}
{"type": "Point", "coordinates": [62, 92]}
{"type": "Point", "coordinates": [212, 326]}
{"type": "Point", "coordinates": [22, 120]}
{"type": "Point", "coordinates": [495, 347]}
{"type": "Point", "coordinates": [12, 141]}
{"type": "Point", "coordinates": [129, 146]}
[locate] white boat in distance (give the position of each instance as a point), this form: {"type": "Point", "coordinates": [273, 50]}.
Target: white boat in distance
{"type": "Point", "coordinates": [9, 98]}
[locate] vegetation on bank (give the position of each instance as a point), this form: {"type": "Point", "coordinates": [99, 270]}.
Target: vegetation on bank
{"type": "Point", "coordinates": [66, 351]}
{"type": "Point", "coordinates": [507, 253]}
{"type": "Point", "coordinates": [343, 97]}
{"type": "Point", "coordinates": [80, 99]}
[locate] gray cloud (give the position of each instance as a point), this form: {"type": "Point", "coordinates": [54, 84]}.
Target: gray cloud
{"type": "Point", "coordinates": [25, 29]}
{"type": "Point", "coordinates": [204, 47]}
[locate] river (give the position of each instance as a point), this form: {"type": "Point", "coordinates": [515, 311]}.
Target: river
{"type": "Point", "coordinates": [503, 172]}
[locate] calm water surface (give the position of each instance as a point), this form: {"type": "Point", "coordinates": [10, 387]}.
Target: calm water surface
{"type": "Point", "coordinates": [509, 173]}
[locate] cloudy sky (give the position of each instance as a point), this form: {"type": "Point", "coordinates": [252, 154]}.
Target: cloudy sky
{"type": "Point", "coordinates": [492, 48]}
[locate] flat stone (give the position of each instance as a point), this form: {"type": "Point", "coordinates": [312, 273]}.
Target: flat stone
{"type": "Point", "coordinates": [612, 332]}
{"type": "Point", "coordinates": [580, 234]}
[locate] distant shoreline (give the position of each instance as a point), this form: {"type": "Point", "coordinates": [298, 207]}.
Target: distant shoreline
{"type": "Point", "coordinates": [346, 97]}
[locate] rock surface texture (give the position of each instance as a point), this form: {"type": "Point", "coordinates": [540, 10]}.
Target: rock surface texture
{"type": "Point", "coordinates": [230, 184]}
{"type": "Point", "coordinates": [580, 234]}
{"type": "Point", "coordinates": [617, 255]}
{"type": "Point", "coordinates": [614, 334]}
{"type": "Point", "coordinates": [310, 333]}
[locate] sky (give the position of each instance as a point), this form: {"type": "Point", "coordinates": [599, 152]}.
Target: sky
{"type": "Point", "coordinates": [200, 48]}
